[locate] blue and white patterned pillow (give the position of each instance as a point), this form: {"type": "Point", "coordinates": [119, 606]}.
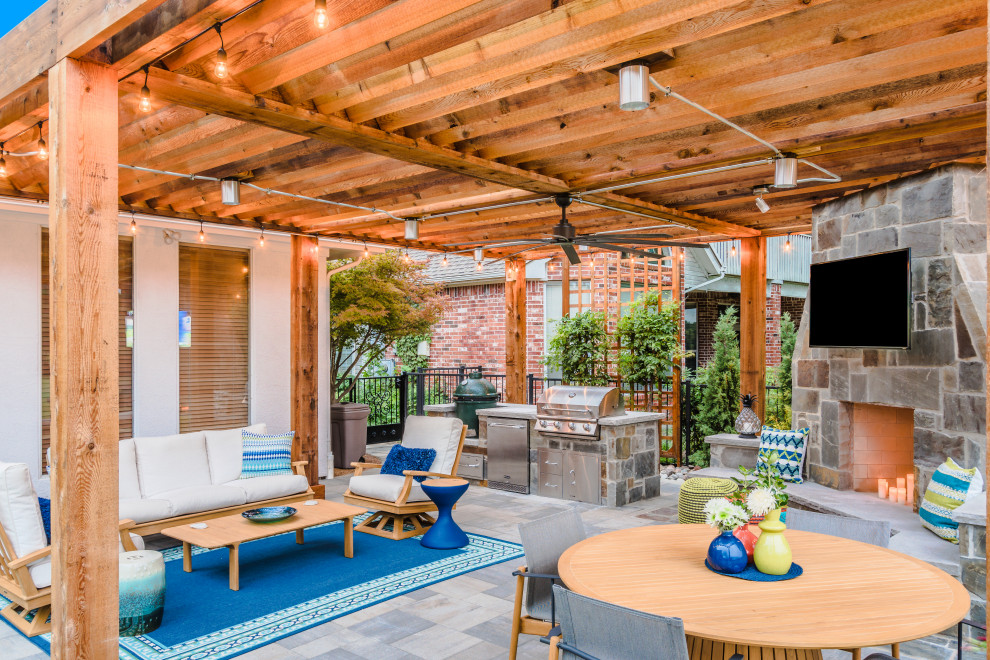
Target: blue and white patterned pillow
{"type": "Point", "coordinates": [790, 447]}
{"type": "Point", "coordinates": [945, 493]}
{"type": "Point", "coordinates": [266, 455]}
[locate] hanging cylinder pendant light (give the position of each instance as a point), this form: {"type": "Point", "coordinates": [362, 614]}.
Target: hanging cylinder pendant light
{"type": "Point", "coordinates": [412, 229]}
{"type": "Point", "coordinates": [634, 86]}
{"type": "Point", "coordinates": [230, 192]}
{"type": "Point", "coordinates": [785, 171]}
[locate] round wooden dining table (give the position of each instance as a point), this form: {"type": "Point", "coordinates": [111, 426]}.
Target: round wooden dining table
{"type": "Point", "coordinates": [851, 594]}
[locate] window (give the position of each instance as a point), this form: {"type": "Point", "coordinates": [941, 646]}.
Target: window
{"type": "Point", "coordinates": [213, 338]}
{"type": "Point", "coordinates": [125, 316]}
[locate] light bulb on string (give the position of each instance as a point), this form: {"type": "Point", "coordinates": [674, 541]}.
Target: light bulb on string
{"type": "Point", "coordinates": [477, 265]}
{"type": "Point", "coordinates": [3, 163]}
{"type": "Point", "coordinates": [320, 14]}
{"type": "Point", "coordinates": [220, 68]}
{"type": "Point", "coordinates": [145, 104]}
{"type": "Point", "coordinates": [42, 147]}
{"type": "Point", "coordinates": [445, 263]}
{"type": "Point", "coordinates": [202, 234]}
{"type": "Point", "coordinates": [133, 223]}
{"type": "Point", "coordinates": [732, 250]}
{"type": "Point", "coordinates": [787, 243]}
{"type": "Point", "coordinates": [261, 239]}
{"type": "Point", "coordinates": [366, 253]}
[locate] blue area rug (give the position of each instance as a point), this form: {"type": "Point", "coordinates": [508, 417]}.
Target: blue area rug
{"type": "Point", "coordinates": [287, 588]}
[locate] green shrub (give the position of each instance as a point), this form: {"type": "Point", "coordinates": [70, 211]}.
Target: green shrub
{"type": "Point", "coordinates": [649, 340]}
{"type": "Point", "coordinates": [579, 348]}
{"type": "Point", "coordinates": [719, 398]}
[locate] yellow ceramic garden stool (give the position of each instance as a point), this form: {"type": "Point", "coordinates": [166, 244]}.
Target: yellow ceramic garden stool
{"type": "Point", "coordinates": [696, 492]}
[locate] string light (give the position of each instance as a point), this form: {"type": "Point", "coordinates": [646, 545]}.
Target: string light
{"type": "Point", "coordinates": [681, 255]}
{"type": "Point", "coordinates": [261, 239]}
{"type": "Point", "coordinates": [320, 14]}
{"type": "Point", "coordinates": [732, 250]}
{"type": "Point", "coordinates": [477, 265]}
{"type": "Point", "coordinates": [445, 263]}
{"type": "Point", "coordinates": [366, 253]}
{"type": "Point", "coordinates": [145, 104]}
{"type": "Point", "coordinates": [42, 147]}
{"type": "Point", "coordinates": [133, 223]}
{"type": "Point", "coordinates": [220, 69]}
{"type": "Point", "coordinates": [787, 243]}
{"type": "Point", "coordinates": [3, 163]}
{"type": "Point", "coordinates": [202, 234]}
{"type": "Point", "coordinates": [405, 257]}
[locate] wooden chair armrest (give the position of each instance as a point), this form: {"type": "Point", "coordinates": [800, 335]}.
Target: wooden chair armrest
{"type": "Point", "coordinates": [361, 467]}
{"type": "Point", "coordinates": [126, 523]}
{"type": "Point", "coordinates": [299, 467]}
{"type": "Point", "coordinates": [420, 473]}
{"type": "Point", "coordinates": [29, 558]}
{"type": "Point", "coordinates": [124, 527]}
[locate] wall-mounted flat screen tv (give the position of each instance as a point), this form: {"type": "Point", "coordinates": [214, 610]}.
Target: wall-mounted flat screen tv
{"type": "Point", "coordinates": [864, 302]}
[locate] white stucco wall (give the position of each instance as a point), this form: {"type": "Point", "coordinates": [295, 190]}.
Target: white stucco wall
{"type": "Point", "coordinates": [156, 353]}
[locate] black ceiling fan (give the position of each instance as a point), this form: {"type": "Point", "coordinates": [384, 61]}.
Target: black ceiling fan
{"type": "Point", "coordinates": [565, 236]}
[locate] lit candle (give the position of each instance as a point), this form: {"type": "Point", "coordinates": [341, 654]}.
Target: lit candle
{"type": "Point", "coordinates": [892, 493]}
{"type": "Point", "coordinates": [882, 488]}
{"type": "Point", "coordinates": [900, 496]}
{"type": "Point", "coordinates": [901, 483]}
{"type": "Point", "coordinates": [910, 489]}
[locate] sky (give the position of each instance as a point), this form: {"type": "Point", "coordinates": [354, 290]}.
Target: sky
{"type": "Point", "coordinates": [13, 12]}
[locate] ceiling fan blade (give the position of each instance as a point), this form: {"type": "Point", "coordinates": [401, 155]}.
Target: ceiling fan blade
{"type": "Point", "coordinates": [621, 237]}
{"type": "Point", "coordinates": [500, 241]}
{"type": "Point", "coordinates": [643, 242]}
{"type": "Point", "coordinates": [627, 250]}
{"type": "Point", "coordinates": [571, 253]}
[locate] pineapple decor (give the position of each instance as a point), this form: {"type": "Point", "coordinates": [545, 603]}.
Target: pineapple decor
{"type": "Point", "coordinates": [747, 423]}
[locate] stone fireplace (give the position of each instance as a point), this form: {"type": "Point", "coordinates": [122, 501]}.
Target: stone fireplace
{"type": "Point", "coordinates": [929, 401]}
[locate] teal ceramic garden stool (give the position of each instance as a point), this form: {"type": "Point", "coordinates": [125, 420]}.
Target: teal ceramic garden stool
{"type": "Point", "coordinates": [142, 592]}
{"type": "Point", "coordinates": [444, 534]}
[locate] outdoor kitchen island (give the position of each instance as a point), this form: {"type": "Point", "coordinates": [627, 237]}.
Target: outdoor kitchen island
{"type": "Point", "coordinates": [616, 466]}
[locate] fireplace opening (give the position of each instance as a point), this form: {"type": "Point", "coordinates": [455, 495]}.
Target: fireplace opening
{"type": "Point", "coordinates": [883, 444]}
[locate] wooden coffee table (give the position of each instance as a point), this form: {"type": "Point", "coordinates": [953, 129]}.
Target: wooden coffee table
{"type": "Point", "coordinates": [233, 530]}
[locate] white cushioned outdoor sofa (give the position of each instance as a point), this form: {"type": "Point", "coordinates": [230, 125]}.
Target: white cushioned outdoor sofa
{"type": "Point", "coordinates": [176, 479]}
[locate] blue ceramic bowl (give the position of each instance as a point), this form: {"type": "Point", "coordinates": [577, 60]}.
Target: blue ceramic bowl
{"type": "Point", "coordinates": [269, 514]}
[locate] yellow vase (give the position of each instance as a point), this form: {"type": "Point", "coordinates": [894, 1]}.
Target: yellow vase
{"type": "Point", "coordinates": [772, 554]}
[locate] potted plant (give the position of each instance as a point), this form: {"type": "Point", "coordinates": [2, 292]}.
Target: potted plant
{"type": "Point", "coordinates": [372, 305]}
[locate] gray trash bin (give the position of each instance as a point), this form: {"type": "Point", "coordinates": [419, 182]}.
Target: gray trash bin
{"type": "Point", "coordinates": [348, 433]}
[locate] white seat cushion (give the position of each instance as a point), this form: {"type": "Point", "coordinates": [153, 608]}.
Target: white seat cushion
{"type": "Point", "coordinates": [195, 499]}
{"type": "Point", "coordinates": [20, 514]}
{"type": "Point", "coordinates": [171, 462]}
{"type": "Point", "coordinates": [385, 487]}
{"type": "Point", "coordinates": [141, 510]}
{"type": "Point", "coordinates": [440, 433]}
{"type": "Point", "coordinates": [224, 451]}
{"type": "Point", "coordinates": [128, 485]}
{"type": "Point", "coordinates": [41, 570]}
{"type": "Point", "coordinates": [257, 489]}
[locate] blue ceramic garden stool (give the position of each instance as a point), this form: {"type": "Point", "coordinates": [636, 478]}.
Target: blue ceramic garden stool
{"type": "Point", "coordinates": [444, 534]}
{"type": "Point", "coordinates": [142, 592]}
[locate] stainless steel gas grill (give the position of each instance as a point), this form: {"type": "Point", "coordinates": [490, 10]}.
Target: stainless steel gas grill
{"type": "Point", "coordinates": [575, 411]}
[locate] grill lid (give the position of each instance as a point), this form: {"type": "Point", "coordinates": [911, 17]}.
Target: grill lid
{"type": "Point", "coordinates": [584, 403]}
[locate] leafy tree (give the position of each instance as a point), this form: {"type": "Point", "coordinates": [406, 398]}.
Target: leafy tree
{"type": "Point", "coordinates": [649, 337]}
{"type": "Point", "coordinates": [372, 305]}
{"type": "Point", "coordinates": [407, 350]}
{"type": "Point", "coordinates": [719, 402]}
{"type": "Point", "coordinates": [579, 348]}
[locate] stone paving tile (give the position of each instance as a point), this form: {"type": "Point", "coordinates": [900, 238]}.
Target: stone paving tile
{"type": "Point", "coordinates": [436, 643]}
{"type": "Point", "coordinates": [391, 626]}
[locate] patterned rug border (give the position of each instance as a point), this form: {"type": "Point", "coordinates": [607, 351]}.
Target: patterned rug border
{"type": "Point", "coordinates": [249, 635]}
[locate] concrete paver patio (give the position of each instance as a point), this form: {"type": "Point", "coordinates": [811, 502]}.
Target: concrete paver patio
{"type": "Point", "coordinates": [467, 617]}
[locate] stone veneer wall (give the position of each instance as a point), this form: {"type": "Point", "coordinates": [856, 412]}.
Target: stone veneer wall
{"type": "Point", "coordinates": [941, 216]}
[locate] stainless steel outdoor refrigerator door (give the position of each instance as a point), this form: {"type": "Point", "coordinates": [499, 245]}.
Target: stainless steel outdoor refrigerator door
{"type": "Point", "coordinates": [508, 455]}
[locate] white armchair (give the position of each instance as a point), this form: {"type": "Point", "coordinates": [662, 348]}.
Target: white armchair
{"type": "Point", "coordinates": [398, 500]}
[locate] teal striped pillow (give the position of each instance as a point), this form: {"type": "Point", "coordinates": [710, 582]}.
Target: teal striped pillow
{"type": "Point", "coordinates": [266, 455]}
{"type": "Point", "coordinates": [790, 447]}
{"type": "Point", "coordinates": [945, 493]}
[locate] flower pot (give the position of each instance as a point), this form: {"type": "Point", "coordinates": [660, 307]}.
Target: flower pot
{"type": "Point", "coordinates": [727, 554]}
{"type": "Point", "coordinates": [772, 554]}
{"type": "Point", "coordinates": [747, 538]}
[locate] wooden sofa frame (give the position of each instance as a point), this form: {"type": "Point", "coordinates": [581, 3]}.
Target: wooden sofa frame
{"type": "Point", "coordinates": [156, 526]}
{"type": "Point", "coordinates": [399, 513]}
{"type": "Point", "coordinates": [17, 585]}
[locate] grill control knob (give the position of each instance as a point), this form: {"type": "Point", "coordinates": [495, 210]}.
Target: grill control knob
{"type": "Point", "coordinates": [543, 422]}
{"type": "Point", "coordinates": [556, 425]}
{"type": "Point", "coordinates": [587, 427]}
{"type": "Point", "coordinates": [570, 425]}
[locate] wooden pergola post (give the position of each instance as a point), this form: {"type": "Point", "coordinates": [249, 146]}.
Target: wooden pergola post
{"type": "Point", "coordinates": [305, 350]}
{"type": "Point", "coordinates": [84, 369]}
{"type": "Point", "coordinates": [515, 330]}
{"type": "Point", "coordinates": [753, 320]}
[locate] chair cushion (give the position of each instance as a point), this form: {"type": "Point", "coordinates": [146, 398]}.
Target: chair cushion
{"type": "Point", "coordinates": [20, 513]}
{"type": "Point", "coordinates": [225, 452]}
{"type": "Point", "coordinates": [440, 433]}
{"type": "Point", "coordinates": [143, 510]}
{"type": "Point", "coordinates": [128, 484]}
{"type": "Point", "coordinates": [266, 455]}
{"type": "Point", "coordinates": [790, 447]}
{"type": "Point", "coordinates": [946, 492]}
{"type": "Point", "coordinates": [194, 499]}
{"type": "Point", "coordinates": [257, 489]}
{"type": "Point", "coordinates": [385, 487]}
{"type": "Point", "coordinates": [402, 458]}
{"type": "Point", "coordinates": [41, 570]}
{"type": "Point", "coordinates": [172, 462]}
{"type": "Point", "coordinates": [45, 505]}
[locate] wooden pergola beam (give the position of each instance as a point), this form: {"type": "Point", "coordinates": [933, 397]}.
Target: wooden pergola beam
{"type": "Point", "coordinates": [84, 378]}
{"type": "Point", "coordinates": [753, 319]}
{"type": "Point", "coordinates": [305, 342]}
{"type": "Point", "coordinates": [515, 331]}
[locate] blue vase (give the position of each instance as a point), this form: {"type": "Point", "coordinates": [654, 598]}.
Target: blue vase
{"type": "Point", "coordinates": [727, 554]}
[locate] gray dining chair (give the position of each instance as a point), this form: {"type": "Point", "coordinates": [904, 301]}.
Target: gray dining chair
{"type": "Point", "coordinates": [595, 630]}
{"type": "Point", "coordinates": [874, 532]}
{"type": "Point", "coordinates": [544, 541]}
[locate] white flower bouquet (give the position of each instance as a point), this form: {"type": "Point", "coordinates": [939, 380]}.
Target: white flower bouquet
{"type": "Point", "coordinates": [725, 516]}
{"type": "Point", "coordinates": [761, 501]}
